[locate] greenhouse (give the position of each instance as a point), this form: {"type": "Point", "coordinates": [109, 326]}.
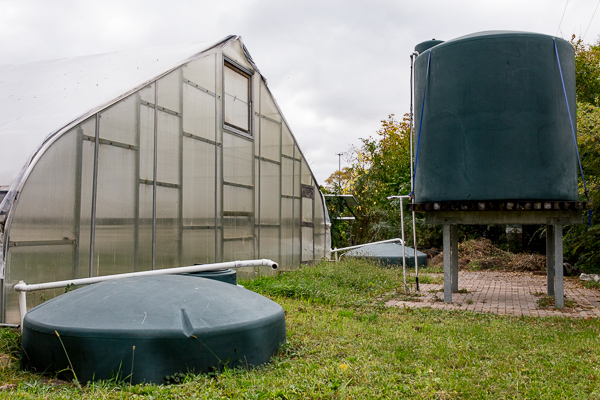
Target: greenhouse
{"type": "Point", "coordinates": [148, 159]}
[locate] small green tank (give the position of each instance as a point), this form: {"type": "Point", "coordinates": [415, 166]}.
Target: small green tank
{"type": "Point", "coordinates": [148, 329]}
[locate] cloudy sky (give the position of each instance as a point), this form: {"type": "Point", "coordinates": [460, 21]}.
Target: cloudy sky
{"type": "Point", "coordinates": [336, 68]}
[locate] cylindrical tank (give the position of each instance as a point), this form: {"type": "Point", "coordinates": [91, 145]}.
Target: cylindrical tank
{"type": "Point", "coordinates": [426, 45]}
{"type": "Point", "coordinates": [495, 124]}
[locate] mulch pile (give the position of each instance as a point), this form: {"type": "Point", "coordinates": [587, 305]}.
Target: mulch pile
{"type": "Point", "coordinates": [481, 254]}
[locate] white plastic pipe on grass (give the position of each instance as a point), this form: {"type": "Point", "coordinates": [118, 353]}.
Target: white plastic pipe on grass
{"type": "Point", "coordinates": [22, 287]}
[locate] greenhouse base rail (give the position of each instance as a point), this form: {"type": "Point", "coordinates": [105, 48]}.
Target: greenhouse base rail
{"type": "Point", "coordinates": [23, 288]}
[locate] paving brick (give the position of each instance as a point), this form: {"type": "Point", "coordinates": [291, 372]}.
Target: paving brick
{"type": "Point", "coordinates": [507, 293]}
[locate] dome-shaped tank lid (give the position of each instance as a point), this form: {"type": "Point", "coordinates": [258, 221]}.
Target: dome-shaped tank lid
{"type": "Point", "coordinates": [421, 47]}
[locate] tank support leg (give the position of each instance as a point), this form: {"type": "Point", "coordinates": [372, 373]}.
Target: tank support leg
{"type": "Point", "coordinates": [454, 251]}
{"type": "Point", "coordinates": [559, 294]}
{"type": "Point", "coordinates": [447, 265]}
{"type": "Point", "coordinates": [550, 258]}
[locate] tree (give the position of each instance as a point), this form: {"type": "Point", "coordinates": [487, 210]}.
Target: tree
{"type": "Point", "coordinates": [379, 168]}
{"type": "Point", "coordinates": [587, 71]}
{"type": "Point", "coordinates": [582, 242]}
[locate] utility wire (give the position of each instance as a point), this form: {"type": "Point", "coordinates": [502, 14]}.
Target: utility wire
{"type": "Point", "coordinates": [591, 19]}
{"type": "Point", "coordinates": [561, 18]}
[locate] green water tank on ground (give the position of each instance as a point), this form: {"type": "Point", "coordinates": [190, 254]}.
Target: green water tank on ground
{"type": "Point", "coordinates": [145, 329]}
{"type": "Point", "coordinates": [388, 254]}
{"type": "Point", "coordinates": [495, 120]}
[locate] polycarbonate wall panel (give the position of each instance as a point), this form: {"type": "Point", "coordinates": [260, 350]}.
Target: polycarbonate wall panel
{"type": "Point", "coordinates": [198, 113]}
{"type": "Point", "coordinates": [146, 143]}
{"type": "Point", "coordinates": [307, 210]}
{"type": "Point", "coordinates": [116, 193]}
{"type": "Point", "coordinates": [198, 246]}
{"type": "Point", "coordinates": [168, 228]}
{"type": "Point", "coordinates": [237, 227]}
{"type": "Point", "coordinates": [169, 91]}
{"type": "Point", "coordinates": [269, 243]}
{"type": "Point", "coordinates": [116, 202]}
{"type": "Point", "coordinates": [269, 193]}
{"type": "Point", "coordinates": [297, 248]}
{"type": "Point", "coordinates": [119, 123]}
{"type": "Point", "coordinates": [287, 232]}
{"type": "Point", "coordinates": [46, 205]}
{"type": "Point", "coordinates": [270, 139]}
{"type": "Point", "coordinates": [168, 155]}
{"type": "Point", "coordinates": [235, 52]}
{"type": "Point", "coordinates": [145, 227]}
{"type": "Point", "coordinates": [237, 160]}
{"type": "Point", "coordinates": [147, 94]}
{"type": "Point", "coordinates": [238, 250]}
{"type": "Point", "coordinates": [306, 174]}
{"type": "Point", "coordinates": [114, 249]}
{"type": "Point", "coordinates": [287, 141]}
{"type": "Point", "coordinates": [267, 105]}
{"type": "Point", "coordinates": [202, 72]}
{"type": "Point", "coordinates": [287, 177]}
{"type": "Point", "coordinates": [199, 184]}
{"type": "Point", "coordinates": [36, 264]}
{"type": "Point", "coordinates": [237, 199]}
{"type": "Point", "coordinates": [43, 234]}
{"type": "Point", "coordinates": [307, 244]}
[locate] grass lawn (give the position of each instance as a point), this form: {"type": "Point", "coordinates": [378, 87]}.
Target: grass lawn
{"type": "Point", "coordinates": [343, 343]}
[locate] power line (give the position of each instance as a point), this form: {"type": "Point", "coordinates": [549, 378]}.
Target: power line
{"type": "Point", "coordinates": [561, 18]}
{"type": "Point", "coordinates": [591, 19]}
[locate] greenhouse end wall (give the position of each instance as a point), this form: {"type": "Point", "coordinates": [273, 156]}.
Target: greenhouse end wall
{"type": "Point", "coordinates": [199, 166]}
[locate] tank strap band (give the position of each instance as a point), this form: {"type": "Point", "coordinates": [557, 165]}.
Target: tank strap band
{"type": "Point", "coordinates": [573, 131]}
{"type": "Point", "coordinates": [421, 121]}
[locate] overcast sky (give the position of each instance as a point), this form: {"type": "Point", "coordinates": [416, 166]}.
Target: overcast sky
{"type": "Point", "coordinates": [336, 68]}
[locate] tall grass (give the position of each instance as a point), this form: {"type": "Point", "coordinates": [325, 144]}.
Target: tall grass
{"type": "Point", "coordinates": [343, 343]}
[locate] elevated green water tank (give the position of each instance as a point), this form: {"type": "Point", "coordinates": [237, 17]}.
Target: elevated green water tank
{"type": "Point", "coordinates": [495, 120]}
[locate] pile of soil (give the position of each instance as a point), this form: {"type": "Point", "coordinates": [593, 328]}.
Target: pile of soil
{"type": "Point", "coordinates": [481, 254]}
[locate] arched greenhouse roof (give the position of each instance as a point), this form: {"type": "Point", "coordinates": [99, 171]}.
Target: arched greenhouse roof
{"type": "Point", "coordinates": [41, 99]}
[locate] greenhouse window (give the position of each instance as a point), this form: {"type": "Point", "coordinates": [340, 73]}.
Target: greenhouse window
{"type": "Point", "coordinates": [237, 87]}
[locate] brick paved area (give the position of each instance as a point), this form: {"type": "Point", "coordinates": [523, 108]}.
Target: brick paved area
{"type": "Point", "coordinates": [507, 293]}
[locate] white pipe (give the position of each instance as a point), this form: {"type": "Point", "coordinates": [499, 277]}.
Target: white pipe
{"type": "Point", "coordinates": [415, 246]}
{"type": "Point", "coordinates": [22, 287]}
{"type": "Point", "coordinates": [403, 245]}
{"type": "Point", "coordinates": [22, 304]}
{"type": "Point", "coordinates": [366, 244]}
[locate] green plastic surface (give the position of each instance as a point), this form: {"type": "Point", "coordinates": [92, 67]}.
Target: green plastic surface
{"type": "Point", "coordinates": [222, 275]}
{"type": "Point", "coordinates": [495, 120]}
{"type": "Point", "coordinates": [147, 328]}
{"type": "Point", "coordinates": [389, 254]}
{"type": "Point", "coordinates": [426, 45]}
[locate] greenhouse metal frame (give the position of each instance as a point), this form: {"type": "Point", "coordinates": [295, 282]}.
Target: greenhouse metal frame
{"type": "Point", "coordinates": [148, 159]}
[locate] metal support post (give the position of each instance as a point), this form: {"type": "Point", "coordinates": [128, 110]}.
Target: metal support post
{"type": "Point", "coordinates": [550, 258]}
{"type": "Point", "coordinates": [454, 252]}
{"type": "Point", "coordinates": [447, 265]}
{"type": "Point", "coordinates": [559, 295]}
